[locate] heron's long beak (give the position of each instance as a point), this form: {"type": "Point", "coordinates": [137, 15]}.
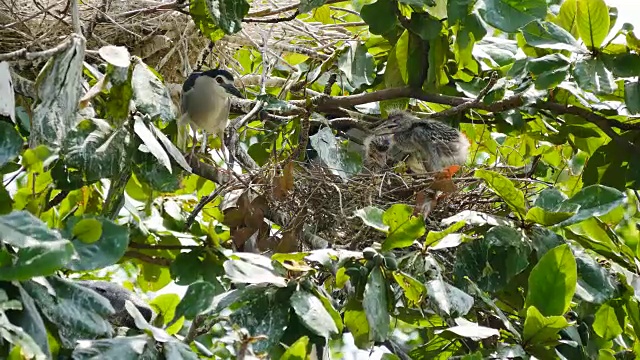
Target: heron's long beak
{"type": "Point", "coordinates": [232, 90]}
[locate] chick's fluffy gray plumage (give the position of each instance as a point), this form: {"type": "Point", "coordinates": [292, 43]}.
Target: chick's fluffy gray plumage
{"type": "Point", "coordinates": [429, 145]}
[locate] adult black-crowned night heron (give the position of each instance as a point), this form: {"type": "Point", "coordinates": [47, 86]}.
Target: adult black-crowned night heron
{"type": "Point", "coordinates": [205, 104]}
{"type": "Point", "coordinates": [431, 146]}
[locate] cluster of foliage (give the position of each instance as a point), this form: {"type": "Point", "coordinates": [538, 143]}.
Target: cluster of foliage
{"type": "Point", "coordinates": [94, 187]}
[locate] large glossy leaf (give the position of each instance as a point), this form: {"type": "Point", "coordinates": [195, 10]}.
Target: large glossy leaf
{"type": "Point", "coordinates": [58, 87]}
{"type": "Point", "coordinates": [606, 323]}
{"type": "Point", "coordinates": [552, 282]}
{"type": "Point", "coordinates": [95, 150]}
{"type": "Point", "coordinates": [595, 284]}
{"type": "Point", "coordinates": [356, 321]}
{"type": "Point", "coordinates": [16, 327]}
{"type": "Point", "coordinates": [539, 330]}
{"type": "Point", "coordinates": [592, 21]}
{"type": "Point", "coordinates": [199, 11]}
{"type": "Point", "coordinates": [357, 65]}
{"type": "Point", "coordinates": [632, 96]}
{"type": "Point", "coordinates": [22, 229]}
{"type": "Point", "coordinates": [380, 16]}
{"type": "Point", "coordinates": [549, 71]}
{"type": "Point", "coordinates": [152, 143]}
{"type": "Point", "coordinates": [265, 313]}
{"type": "Point", "coordinates": [197, 298]}
{"type": "Point", "coordinates": [567, 17]}
{"type": "Point", "coordinates": [375, 305]}
{"type": "Point", "coordinates": [7, 97]}
{"type": "Point", "coordinates": [178, 350]}
{"type": "Point", "coordinates": [297, 350]}
{"type": "Point", "coordinates": [504, 188]}
{"type": "Point", "coordinates": [613, 165]}
{"type": "Point", "coordinates": [78, 312]}
{"type": "Point", "coordinates": [253, 269]}
{"type": "Point", "coordinates": [150, 95]}
{"type": "Point", "coordinates": [107, 250]}
{"type": "Point", "coordinates": [547, 35]}
{"type": "Point", "coordinates": [404, 228]}
{"type": "Point", "coordinates": [121, 348]}
{"type": "Point", "coordinates": [372, 216]}
{"type": "Point", "coordinates": [511, 15]}
{"type": "Point", "coordinates": [493, 261]}
{"type": "Point", "coordinates": [471, 330]}
{"type": "Point", "coordinates": [341, 162]}
{"type": "Point", "coordinates": [448, 299]}
{"type": "Point", "coordinates": [10, 142]}
{"type": "Point", "coordinates": [228, 14]}
{"type": "Point", "coordinates": [593, 200]}
{"type": "Point", "coordinates": [313, 314]}
{"type": "Point", "coordinates": [592, 75]}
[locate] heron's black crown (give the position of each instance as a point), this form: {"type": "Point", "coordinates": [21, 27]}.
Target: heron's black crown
{"type": "Point", "coordinates": [213, 73]}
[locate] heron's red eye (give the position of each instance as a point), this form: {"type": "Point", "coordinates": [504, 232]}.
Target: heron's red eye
{"type": "Point", "coordinates": [219, 80]}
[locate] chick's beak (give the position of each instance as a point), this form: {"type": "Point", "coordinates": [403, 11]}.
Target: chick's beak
{"type": "Point", "coordinates": [230, 89]}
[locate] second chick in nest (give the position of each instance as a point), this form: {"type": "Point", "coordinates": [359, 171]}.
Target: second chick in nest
{"type": "Point", "coordinates": [429, 145]}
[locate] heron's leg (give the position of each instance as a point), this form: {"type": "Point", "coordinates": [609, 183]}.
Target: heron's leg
{"type": "Point", "coordinates": [194, 141]}
{"type": "Point", "coordinates": [203, 149]}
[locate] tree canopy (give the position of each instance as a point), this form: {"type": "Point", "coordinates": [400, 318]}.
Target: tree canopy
{"type": "Point", "coordinates": [288, 247]}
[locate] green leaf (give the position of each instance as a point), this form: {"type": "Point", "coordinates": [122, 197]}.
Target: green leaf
{"type": "Point", "coordinates": [308, 5]}
{"type": "Point", "coordinates": [165, 306]}
{"type": "Point", "coordinates": [414, 290]}
{"type": "Point", "coordinates": [341, 162]}
{"type": "Point", "coordinates": [10, 142]}
{"type": "Point", "coordinates": [28, 319]}
{"type": "Point", "coordinates": [107, 250]}
{"type": "Point", "coordinates": [78, 312]}
{"type": "Point", "coordinates": [593, 200]}
{"type": "Point", "coordinates": [606, 323]}
{"type": "Point", "coordinates": [622, 65]}
{"type": "Point", "coordinates": [493, 261]}
{"type": "Point", "coordinates": [448, 299]}
{"type": "Point", "coordinates": [197, 299]}
{"type": "Point", "coordinates": [504, 188]}
{"type": "Point", "coordinates": [96, 151]}
{"type": "Point", "coordinates": [549, 70]}
{"type": "Point", "coordinates": [375, 305]}
{"type": "Point", "coordinates": [87, 230]}
{"type": "Point", "coordinates": [380, 16]}
{"type": "Point", "coordinates": [404, 228]}
{"type": "Point", "coordinates": [547, 35]}
{"type": "Point", "coordinates": [59, 91]}
{"type": "Point", "coordinates": [357, 65]}
{"type": "Point", "coordinates": [228, 14]}
{"type": "Point", "coordinates": [552, 282]}
{"type": "Point", "coordinates": [7, 96]}
{"type": "Point", "coordinates": [312, 314]}
{"type": "Point", "coordinates": [199, 11]}
{"type": "Point", "coordinates": [23, 230]}
{"type": "Point", "coordinates": [592, 75]}
{"type": "Point", "coordinates": [356, 321]}
{"type": "Point", "coordinates": [592, 21]}
{"type": "Point", "coordinates": [632, 96]}
{"type": "Point", "coordinates": [115, 55]}
{"type": "Point", "coordinates": [178, 350]}
{"type": "Point", "coordinates": [540, 216]}
{"type": "Point", "coordinates": [150, 95]}
{"type": "Point", "coordinates": [567, 16]}
{"type": "Point", "coordinates": [151, 142]}
{"type": "Point", "coordinates": [434, 237]}
{"type": "Point", "coordinates": [511, 15]}
{"type": "Point", "coordinates": [425, 26]}
{"type": "Point", "coordinates": [372, 216]}
{"type": "Point", "coordinates": [595, 284]}
{"type": "Point", "coordinates": [175, 153]}
{"type": "Point", "coordinates": [297, 350]}
{"type": "Point", "coordinates": [252, 269]}
{"type": "Point", "coordinates": [264, 313]}
{"type": "Point", "coordinates": [122, 348]}
{"type": "Point", "coordinates": [550, 199]}
{"type": "Point", "coordinates": [541, 330]}
{"type": "Point", "coordinates": [472, 331]}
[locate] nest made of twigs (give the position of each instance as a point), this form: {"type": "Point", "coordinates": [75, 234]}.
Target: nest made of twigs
{"type": "Point", "coordinates": [325, 203]}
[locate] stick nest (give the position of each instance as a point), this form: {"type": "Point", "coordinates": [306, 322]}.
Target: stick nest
{"type": "Point", "coordinates": [325, 204]}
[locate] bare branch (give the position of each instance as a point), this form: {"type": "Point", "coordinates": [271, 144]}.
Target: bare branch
{"type": "Point", "coordinates": [24, 54]}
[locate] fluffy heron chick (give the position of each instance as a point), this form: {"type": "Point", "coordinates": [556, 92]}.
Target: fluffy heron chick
{"type": "Point", "coordinates": [205, 101]}
{"type": "Point", "coordinates": [431, 145]}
